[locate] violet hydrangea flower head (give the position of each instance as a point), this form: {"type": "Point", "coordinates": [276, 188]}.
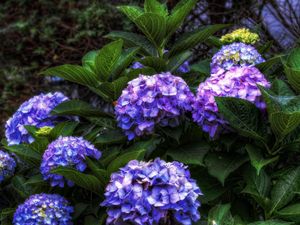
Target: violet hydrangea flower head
{"type": "Point", "coordinates": [235, 54]}
{"type": "Point", "coordinates": [239, 82]}
{"type": "Point", "coordinates": [150, 101]}
{"type": "Point", "coordinates": [34, 112]}
{"type": "Point", "coordinates": [44, 209]}
{"type": "Point", "coordinates": [66, 152]}
{"type": "Point", "coordinates": [149, 193]}
{"type": "Point", "coordinates": [7, 166]}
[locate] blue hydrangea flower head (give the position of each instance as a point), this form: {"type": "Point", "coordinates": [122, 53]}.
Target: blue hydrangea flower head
{"type": "Point", "coordinates": [66, 152]}
{"type": "Point", "coordinates": [34, 112]}
{"type": "Point", "coordinates": [235, 54]}
{"type": "Point", "coordinates": [149, 193]}
{"type": "Point", "coordinates": [150, 101]}
{"type": "Point", "coordinates": [239, 82]}
{"type": "Point", "coordinates": [7, 166]}
{"type": "Point", "coordinates": [44, 209]}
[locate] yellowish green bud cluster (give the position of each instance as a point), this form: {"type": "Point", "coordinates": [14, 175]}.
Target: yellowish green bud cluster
{"type": "Point", "coordinates": [240, 35]}
{"type": "Point", "coordinates": [44, 131]}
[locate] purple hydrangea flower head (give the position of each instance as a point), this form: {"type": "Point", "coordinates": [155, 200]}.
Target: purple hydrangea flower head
{"type": "Point", "coordinates": [235, 54]}
{"type": "Point", "coordinates": [34, 112]}
{"type": "Point", "coordinates": [239, 82]}
{"type": "Point", "coordinates": [66, 152]}
{"type": "Point", "coordinates": [149, 101]}
{"type": "Point", "coordinates": [155, 192]}
{"type": "Point", "coordinates": [44, 209]}
{"type": "Point", "coordinates": [7, 166]}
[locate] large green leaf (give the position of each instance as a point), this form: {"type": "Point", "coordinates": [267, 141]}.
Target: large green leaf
{"type": "Point", "coordinates": [74, 73]}
{"type": "Point", "coordinates": [108, 137]}
{"type": "Point", "coordinates": [133, 40]}
{"type": "Point", "coordinates": [258, 186]}
{"type": "Point", "coordinates": [18, 183]}
{"type": "Point", "coordinates": [178, 15]}
{"type": "Point", "coordinates": [156, 63]}
{"type": "Point", "coordinates": [202, 67]}
{"type": "Point", "coordinates": [293, 59]}
{"type": "Point", "coordinates": [264, 67]}
{"type": "Point", "coordinates": [26, 153]}
{"type": "Point", "coordinates": [153, 6]}
{"type": "Point", "coordinates": [284, 190]}
{"type": "Point", "coordinates": [279, 87]}
{"type": "Point", "coordinates": [153, 26]}
{"type": "Point", "coordinates": [88, 60]}
{"type": "Point", "coordinates": [256, 158]}
{"type": "Point", "coordinates": [220, 215]}
{"type": "Point", "coordinates": [107, 59]}
{"type": "Point", "coordinates": [242, 115]}
{"type": "Point", "coordinates": [124, 158]}
{"type": "Point", "coordinates": [291, 212]}
{"type": "Point", "coordinates": [190, 40]}
{"type": "Point", "coordinates": [86, 181]}
{"type": "Point", "coordinates": [283, 123]}
{"type": "Point", "coordinates": [293, 76]}
{"type": "Point", "coordinates": [221, 166]}
{"type": "Point", "coordinates": [192, 153]}
{"type": "Point", "coordinates": [132, 12]}
{"type": "Point", "coordinates": [176, 61]}
{"type": "Point", "coordinates": [77, 108]}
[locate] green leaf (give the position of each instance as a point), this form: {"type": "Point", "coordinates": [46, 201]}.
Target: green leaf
{"type": "Point", "coordinates": [284, 123]}
{"type": "Point", "coordinates": [25, 153]}
{"type": "Point", "coordinates": [109, 137]}
{"type": "Point", "coordinates": [258, 186]}
{"type": "Point", "coordinates": [220, 215]}
{"type": "Point", "coordinates": [281, 88]}
{"type": "Point", "coordinates": [265, 48]}
{"type": "Point", "coordinates": [271, 222]}
{"type": "Point", "coordinates": [133, 40]}
{"type": "Point", "coordinates": [284, 189]}
{"type": "Point", "coordinates": [63, 129]}
{"type": "Point", "coordinates": [293, 76]}
{"type": "Point", "coordinates": [264, 67]}
{"type": "Point", "coordinates": [158, 64]}
{"type": "Point", "coordinates": [153, 6]}
{"type": "Point", "coordinates": [77, 108]}
{"type": "Point", "coordinates": [88, 60]}
{"type": "Point", "coordinates": [106, 122]}
{"type": "Point", "coordinates": [178, 15]}
{"type": "Point", "coordinates": [193, 153]}
{"type": "Point", "coordinates": [221, 166]}
{"type": "Point", "coordinates": [6, 216]}
{"type": "Point", "coordinates": [176, 61]}
{"type": "Point", "coordinates": [202, 67]}
{"type": "Point", "coordinates": [153, 26]}
{"type": "Point", "coordinates": [242, 116]}
{"type": "Point", "coordinates": [101, 174]}
{"type": "Point", "coordinates": [18, 183]}
{"type": "Point", "coordinates": [107, 59]}
{"type": "Point", "coordinates": [73, 73]}
{"type": "Point", "coordinates": [86, 181]}
{"type": "Point", "coordinates": [190, 40]}
{"type": "Point", "coordinates": [123, 159]}
{"type": "Point", "coordinates": [125, 60]}
{"type": "Point", "coordinates": [293, 59]}
{"type": "Point", "coordinates": [132, 12]}
{"type": "Point", "coordinates": [256, 158]}
{"type": "Point", "coordinates": [36, 180]}
{"type": "Point", "coordinates": [291, 212]}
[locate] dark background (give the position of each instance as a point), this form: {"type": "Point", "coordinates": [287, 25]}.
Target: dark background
{"type": "Point", "coordinates": [36, 34]}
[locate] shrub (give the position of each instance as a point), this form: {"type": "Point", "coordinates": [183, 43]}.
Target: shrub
{"type": "Point", "coordinates": [249, 174]}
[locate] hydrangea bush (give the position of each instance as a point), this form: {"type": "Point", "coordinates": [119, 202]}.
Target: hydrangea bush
{"type": "Point", "coordinates": [222, 133]}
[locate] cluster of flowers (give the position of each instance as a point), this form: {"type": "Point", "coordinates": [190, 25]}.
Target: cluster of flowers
{"type": "Point", "coordinates": [240, 35]}
{"type": "Point", "coordinates": [44, 209]}
{"type": "Point", "coordinates": [7, 166]}
{"type": "Point", "coordinates": [151, 101]}
{"type": "Point", "coordinates": [34, 112]}
{"type": "Point", "coordinates": [156, 192]}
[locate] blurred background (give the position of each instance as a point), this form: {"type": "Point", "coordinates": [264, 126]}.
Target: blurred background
{"type": "Point", "coordinates": [36, 34]}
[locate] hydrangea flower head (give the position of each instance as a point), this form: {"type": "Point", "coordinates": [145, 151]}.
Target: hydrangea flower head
{"type": "Point", "coordinates": [235, 54]}
{"type": "Point", "coordinates": [150, 101]}
{"type": "Point", "coordinates": [240, 35]}
{"type": "Point", "coordinates": [34, 112]}
{"type": "Point", "coordinates": [44, 209]}
{"type": "Point", "coordinates": [7, 166]}
{"type": "Point", "coordinates": [66, 152]}
{"type": "Point", "coordinates": [239, 82]}
{"type": "Point", "coordinates": [155, 192]}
